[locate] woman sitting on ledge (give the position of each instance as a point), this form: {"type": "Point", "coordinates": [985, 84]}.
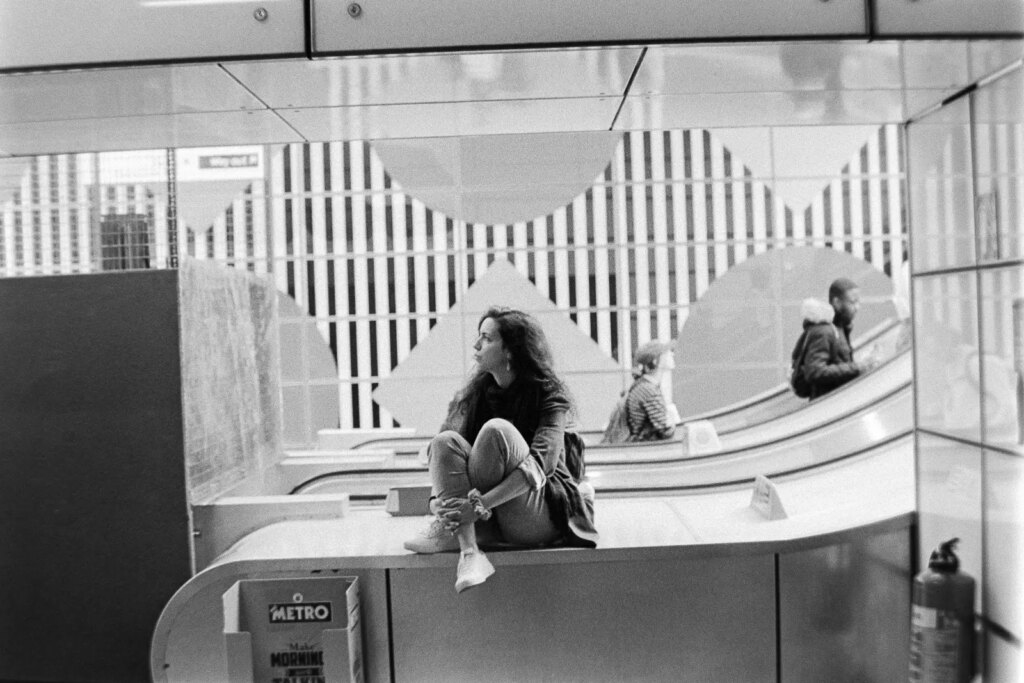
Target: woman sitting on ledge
{"type": "Point", "coordinates": [498, 468]}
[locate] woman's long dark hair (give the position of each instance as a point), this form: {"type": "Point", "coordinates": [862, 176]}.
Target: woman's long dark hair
{"type": "Point", "coordinates": [529, 357]}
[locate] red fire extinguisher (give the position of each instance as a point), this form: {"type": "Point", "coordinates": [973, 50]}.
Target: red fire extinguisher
{"type": "Point", "coordinates": [942, 621]}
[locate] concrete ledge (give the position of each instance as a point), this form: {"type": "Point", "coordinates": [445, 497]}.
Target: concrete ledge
{"type": "Point", "coordinates": [692, 612]}
{"type": "Point", "coordinates": [697, 588]}
{"type": "Point", "coordinates": [219, 525]}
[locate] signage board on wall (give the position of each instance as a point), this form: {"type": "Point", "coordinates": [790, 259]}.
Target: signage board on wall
{"type": "Point", "coordinates": [219, 163]}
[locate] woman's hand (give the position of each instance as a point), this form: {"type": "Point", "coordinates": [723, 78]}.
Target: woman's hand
{"type": "Point", "coordinates": [455, 512]}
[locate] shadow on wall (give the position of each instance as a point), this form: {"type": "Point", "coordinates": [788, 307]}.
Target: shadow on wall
{"type": "Point", "coordinates": [737, 339]}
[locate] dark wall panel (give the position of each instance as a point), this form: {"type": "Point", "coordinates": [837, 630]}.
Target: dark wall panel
{"type": "Point", "coordinates": [93, 515]}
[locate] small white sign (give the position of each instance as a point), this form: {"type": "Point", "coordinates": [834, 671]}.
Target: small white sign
{"type": "Point", "coordinates": [701, 438]}
{"type": "Point", "coordinates": [766, 500]}
{"type": "Point", "coordinates": [219, 163]}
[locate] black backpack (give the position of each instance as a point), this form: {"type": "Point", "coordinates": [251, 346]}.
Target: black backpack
{"type": "Point", "coordinates": [574, 462]}
{"type": "Point", "coordinates": [797, 381]}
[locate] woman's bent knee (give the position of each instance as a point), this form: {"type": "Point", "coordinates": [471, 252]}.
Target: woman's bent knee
{"type": "Point", "coordinates": [497, 425]}
{"type": "Point", "coordinates": [498, 450]}
{"type": "Point", "coordinates": [446, 439]}
{"type": "Point", "coordinates": [500, 434]}
{"type": "Point", "coordinates": [500, 445]}
{"type": "Point", "coordinates": [447, 444]}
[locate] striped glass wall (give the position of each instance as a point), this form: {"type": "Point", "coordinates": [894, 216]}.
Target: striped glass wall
{"type": "Point", "coordinates": [375, 268]}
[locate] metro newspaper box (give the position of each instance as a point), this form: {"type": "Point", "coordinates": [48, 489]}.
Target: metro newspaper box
{"type": "Point", "coordinates": [294, 630]}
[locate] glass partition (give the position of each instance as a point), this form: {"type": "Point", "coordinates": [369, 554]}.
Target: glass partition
{"type": "Point", "coordinates": [369, 270]}
{"type": "Point", "coordinates": [966, 184]}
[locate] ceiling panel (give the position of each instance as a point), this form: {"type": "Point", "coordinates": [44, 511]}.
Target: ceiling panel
{"type": "Point", "coordinates": [917, 101]}
{"type": "Point", "coordinates": [145, 132]}
{"type": "Point", "coordinates": [952, 64]}
{"type": "Point", "coordinates": [948, 16]}
{"type": "Point", "coordinates": [121, 92]}
{"type": "Point", "coordinates": [989, 55]}
{"type": "Point", "coordinates": [462, 77]}
{"type": "Point", "coordinates": [487, 93]}
{"type": "Point", "coordinates": [402, 26]}
{"type": "Point", "coordinates": [807, 108]}
{"type": "Point", "coordinates": [59, 32]}
{"type": "Point", "coordinates": [453, 118]}
{"type": "Point", "coordinates": [768, 67]}
{"type": "Point", "coordinates": [934, 64]}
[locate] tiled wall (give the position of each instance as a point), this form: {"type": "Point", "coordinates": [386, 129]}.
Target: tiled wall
{"type": "Point", "coordinates": [966, 180]}
{"type": "Point", "coordinates": [230, 378]}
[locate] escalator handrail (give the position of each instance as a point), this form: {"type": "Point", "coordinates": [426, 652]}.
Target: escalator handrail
{"type": "Point", "coordinates": [886, 326]}
{"type": "Point", "coordinates": [656, 464]}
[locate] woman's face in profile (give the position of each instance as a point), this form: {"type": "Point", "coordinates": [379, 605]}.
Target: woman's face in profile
{"type": "Point", "coordinates": [490, 350]}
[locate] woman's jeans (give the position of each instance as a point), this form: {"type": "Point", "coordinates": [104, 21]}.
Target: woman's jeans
{"type": "Point", "coordinates": [499, 450]}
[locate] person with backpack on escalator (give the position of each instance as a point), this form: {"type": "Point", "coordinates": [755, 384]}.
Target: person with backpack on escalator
{"type": "Point", "coordinates": [823, 357]}
{"type": "Point", "coordinates": [642, 412]}
{"type": "Point", "coordinates": [649, 415]}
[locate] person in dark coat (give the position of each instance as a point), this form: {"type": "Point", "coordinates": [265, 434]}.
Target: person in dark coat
{"type": "Point", "coordinates": [505, 462]}
{"type": "Point", "coordinates": [828, 361]}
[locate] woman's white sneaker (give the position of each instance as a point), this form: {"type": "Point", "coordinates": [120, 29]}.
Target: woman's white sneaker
{"type": "Point", "coordinates": [474, 568]}
{"type": "Point", "coordinates": [434, 539]}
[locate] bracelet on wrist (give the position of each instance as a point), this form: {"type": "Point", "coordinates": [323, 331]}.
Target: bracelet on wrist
{"type": "Point", "coordinates": [478, 505]}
